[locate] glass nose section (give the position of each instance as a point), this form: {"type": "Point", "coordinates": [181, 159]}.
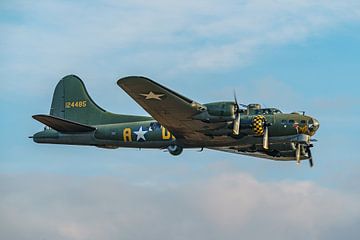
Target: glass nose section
{"type": "Point", "coordinates": [314, 125]}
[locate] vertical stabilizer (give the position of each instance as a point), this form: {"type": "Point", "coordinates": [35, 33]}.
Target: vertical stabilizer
{"type": "Point", "coordinates": [71, 101]}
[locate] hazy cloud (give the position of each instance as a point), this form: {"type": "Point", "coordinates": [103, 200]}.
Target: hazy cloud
{"type": "Point", "coordinates": [222, 207]}
{"type": "Point", "coordinates": [107, 38]}
{"type": "Point", "coordinates": [44, 40]}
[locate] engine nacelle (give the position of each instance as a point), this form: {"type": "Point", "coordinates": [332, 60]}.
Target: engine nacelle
{"type": "Point", "coordinates": [221, 109]}
{"type": "Point", "coordinates": [217, 112]}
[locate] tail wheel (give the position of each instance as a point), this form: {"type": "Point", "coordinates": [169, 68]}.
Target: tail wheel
{"type": "Point", "coordinates": [175, 150]}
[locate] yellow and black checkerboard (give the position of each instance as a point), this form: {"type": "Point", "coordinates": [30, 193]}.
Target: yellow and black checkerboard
{"type": "Point", "coordinates": [258, 125]}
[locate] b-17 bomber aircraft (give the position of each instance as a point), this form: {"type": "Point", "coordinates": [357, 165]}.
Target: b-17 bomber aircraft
{"type": "Point", "coordinates": [176, 123]}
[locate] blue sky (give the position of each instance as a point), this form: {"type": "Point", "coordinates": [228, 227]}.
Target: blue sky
{"type": "Point", "coordinates": [295, 56]}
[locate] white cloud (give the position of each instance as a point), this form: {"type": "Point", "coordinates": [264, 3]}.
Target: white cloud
{"type": "Point", "coordinates": [222, 207]}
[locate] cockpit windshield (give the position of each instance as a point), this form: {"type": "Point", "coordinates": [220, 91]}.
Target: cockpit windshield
{"type": "Point", "coordinates": [267, 111]}
{"type": "Point", "coordinates": [275, 111]}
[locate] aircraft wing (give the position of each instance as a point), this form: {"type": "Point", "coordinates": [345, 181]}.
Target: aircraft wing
{"type": "Point", "coordinates": [63, 125]}
{"type": "Point", "coordinates": [281, 156]}
{"type": "Point", "coordinates": [169, 108]}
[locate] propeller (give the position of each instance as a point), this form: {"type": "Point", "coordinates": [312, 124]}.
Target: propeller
{"type": "Point", "coordinates": [266, 137]}
{"type": "Point", "coordinates": [235, 99]}
{"type": "Point", "coordinates": [308, 149]}
{"type": "Point", "coordinates": [236, 127]}
{"type": "Point", "coordinates": [298, 152]}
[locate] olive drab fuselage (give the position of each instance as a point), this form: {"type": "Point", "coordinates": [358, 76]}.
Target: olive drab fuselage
{"type": "Point", "coordinates": [176, 123]}
{"type": "Point", "coordinates": [152, 134]}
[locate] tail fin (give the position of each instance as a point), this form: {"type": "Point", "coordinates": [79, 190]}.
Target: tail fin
{"type": "Point", "coordinates": [71, 101]}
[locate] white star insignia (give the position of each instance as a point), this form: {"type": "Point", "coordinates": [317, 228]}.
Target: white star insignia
{"type": "Point", "coordinates": [140, 134]}
{"type": "Point", "coordinates": [152, 95]}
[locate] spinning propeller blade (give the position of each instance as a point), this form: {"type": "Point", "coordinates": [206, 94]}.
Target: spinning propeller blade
{"type": "Point", "coordinates": [266, 137]}
{"type": "Point", "coordinates": [235, 99]}
{"type": "Point", "coordinates": [298, 152]}
{"type": "Point", "coordinates": [310, 156]}
{"type": "Point", "coordinates": [236, 127]}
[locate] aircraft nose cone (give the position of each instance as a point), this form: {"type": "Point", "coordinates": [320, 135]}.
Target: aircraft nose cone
{"type": "Point", "coordinates": [314, 125]}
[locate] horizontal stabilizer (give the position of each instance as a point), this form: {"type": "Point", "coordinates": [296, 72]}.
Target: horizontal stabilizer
{"type": "Point", "coordinates": [62, 125]}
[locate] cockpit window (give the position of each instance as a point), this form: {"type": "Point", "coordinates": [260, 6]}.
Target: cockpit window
{"type": "Point", "coordinates": [155, 125]}
{"type": "Point", "coordinates": [267, 111]}
{"type": "Point", "coordinates": [276, 111]}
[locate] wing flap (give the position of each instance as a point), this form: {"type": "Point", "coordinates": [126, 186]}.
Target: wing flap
{"type": "Point", "coordinates": [62, 125]}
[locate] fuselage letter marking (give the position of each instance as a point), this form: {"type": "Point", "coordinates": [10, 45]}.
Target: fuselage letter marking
{"type": "Point", "coordinates": [165, 134]}
{"type": "Point", "coordinates": [127, 135]}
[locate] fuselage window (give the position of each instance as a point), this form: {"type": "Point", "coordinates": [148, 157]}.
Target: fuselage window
{"type": "Point", "coordinates": [283, 121]}
{"type": "Point", "coordinates": [155, 125]}
{"type": "Point", "coordinates": [291, 121]}
{"type": "Point", "coordinates": [303, 121]}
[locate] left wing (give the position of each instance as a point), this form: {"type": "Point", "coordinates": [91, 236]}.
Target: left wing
{"type": "Point", "coordinates": [278, 156]}
{"type": "Point", "coordinates": [63, 125]}
{"type": "Point", "coordinates": [172, 110]}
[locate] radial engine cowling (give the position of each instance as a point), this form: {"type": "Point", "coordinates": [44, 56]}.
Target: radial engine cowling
{"type": "Point", "coordinates": [258, 125]}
